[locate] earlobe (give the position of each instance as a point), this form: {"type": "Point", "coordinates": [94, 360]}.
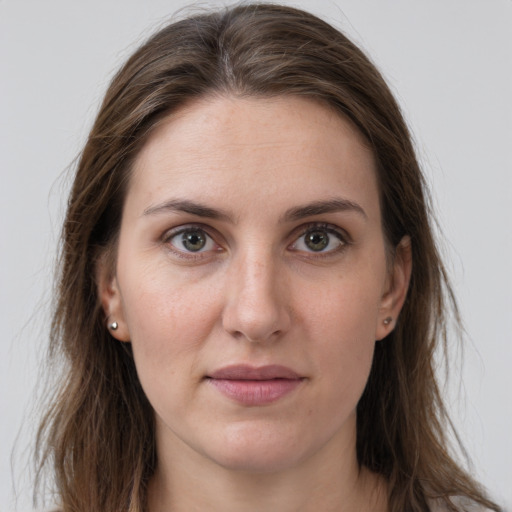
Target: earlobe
{"type": "Point", "coordinates": [111, 301]}
{"type": "Point", "coordinates": [396, 288]}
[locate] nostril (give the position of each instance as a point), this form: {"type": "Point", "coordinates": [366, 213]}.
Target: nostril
{"type": "Point", "coordinates": [255, 328]}
{"type": "Point", "coordinates": [256, 305]}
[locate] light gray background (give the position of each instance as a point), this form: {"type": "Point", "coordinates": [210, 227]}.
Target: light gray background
{"type": "Point", "coordinates": [448, 61]}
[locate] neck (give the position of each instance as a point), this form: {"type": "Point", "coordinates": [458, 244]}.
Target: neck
{"type": "Point", "coordinates": [330, 482]}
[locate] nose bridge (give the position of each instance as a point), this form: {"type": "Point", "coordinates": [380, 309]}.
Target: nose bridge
{"type": "Point", "coordinates": [256, 308]}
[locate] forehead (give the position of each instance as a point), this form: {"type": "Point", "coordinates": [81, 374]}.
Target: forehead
{"type": "Point", "coordinates": [250, 151]}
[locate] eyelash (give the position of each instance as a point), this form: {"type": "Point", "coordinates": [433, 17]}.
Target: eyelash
{"type": "Point", "coordinates": [181, 230]}
{"type": "Point", "coordinates": [298, 234]}
{"type": "Point", "coordinates": [330, 229]}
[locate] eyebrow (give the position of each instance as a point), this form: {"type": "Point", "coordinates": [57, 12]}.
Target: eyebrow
{"type": "Point", "coordinates": [293, 214]}
{"type": "Point", "coordinates": [187, 206]}
{"type": "Point", "coordinates": [319, 207]}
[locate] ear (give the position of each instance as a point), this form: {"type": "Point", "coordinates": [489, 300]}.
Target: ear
{"type": "Point", "coordinates": [396, 288]}
{"type": "Point", "coordinates": [110, 297]}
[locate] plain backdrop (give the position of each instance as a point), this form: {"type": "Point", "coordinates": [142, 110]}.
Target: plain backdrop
{"type": "Point", "coordinates": [448, 61]}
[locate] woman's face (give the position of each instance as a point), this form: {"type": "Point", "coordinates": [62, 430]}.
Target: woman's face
{"type": "Point", "coordinates": [252, 280]}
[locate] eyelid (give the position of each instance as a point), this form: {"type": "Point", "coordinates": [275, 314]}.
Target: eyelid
{"type": "Point", "coordinates": [297, 233]}
{"type": "Point", "coordinates": [333, 229]}
{"type": "Point", "coordinates": [172, 232]}
{"type": "Point", "coordinates": [190, 255]}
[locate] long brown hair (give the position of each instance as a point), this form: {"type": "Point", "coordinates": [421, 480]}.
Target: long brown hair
{"type": "Point", "coordinates": [98, 433]}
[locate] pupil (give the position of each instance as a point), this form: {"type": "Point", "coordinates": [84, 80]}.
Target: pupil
{"type": "Point", "coordinates": [193, 241]}
{"type": "Point", "coordinates": [317, 240]}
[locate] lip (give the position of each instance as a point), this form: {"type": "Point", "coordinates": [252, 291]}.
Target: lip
{"type": "Point", "coordinates": [254, 386]}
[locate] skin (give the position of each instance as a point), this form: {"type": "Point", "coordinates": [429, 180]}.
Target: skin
{"type": "Point", "coordinates": [257, 294]}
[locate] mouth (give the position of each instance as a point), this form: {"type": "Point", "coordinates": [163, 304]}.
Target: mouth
{"type": "Point", "coordinates": [253, 386]}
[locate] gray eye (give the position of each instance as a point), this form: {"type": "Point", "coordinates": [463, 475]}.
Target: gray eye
{"type": "Point", "coordinates": [192, 240]}
{"type": "Point", "coordinates": [316, 240]}
{"type": "Point", "coordinates": [319, 239]}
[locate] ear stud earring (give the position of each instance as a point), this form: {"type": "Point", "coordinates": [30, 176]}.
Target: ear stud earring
{"type": "Point", "coordinates": [113, 326]}
{"type": "Point", "coordinates": [387, 320]}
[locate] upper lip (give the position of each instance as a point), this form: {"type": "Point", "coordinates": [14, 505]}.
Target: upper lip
{"type": "Point", "coordinates": [247, 372]}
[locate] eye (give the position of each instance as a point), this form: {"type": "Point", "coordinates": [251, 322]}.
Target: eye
{"type": "Point", "coordinates": [320, 239]}
{"type": "Point", "coordinates": [191, 240]}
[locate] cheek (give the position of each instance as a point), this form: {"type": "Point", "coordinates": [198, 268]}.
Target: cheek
{"type": "Point", "coordinates": [168, 328]}
{"type": "Point", "coordinates": [168, 319]}
{"type": "Point", "coordinates": [343, 325]}
{"type": "Point", "coordinates": [346, 347]}
{"type": "Point", "coordinates": [161, 304]}
{"type": "Point", "coordinates": [347, 309]}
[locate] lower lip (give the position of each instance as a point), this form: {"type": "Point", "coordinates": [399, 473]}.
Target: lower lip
{"type": "Point", "coordinates": [255, 392]}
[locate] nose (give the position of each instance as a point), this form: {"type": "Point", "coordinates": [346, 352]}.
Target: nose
{"type": "Point", "coordinates": [256, 307]}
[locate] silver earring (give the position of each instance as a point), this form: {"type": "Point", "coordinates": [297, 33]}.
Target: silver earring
{"type": "Point", "coordinates": [113, 326]}
{"type": "Point", "coordinates": [387, 320]}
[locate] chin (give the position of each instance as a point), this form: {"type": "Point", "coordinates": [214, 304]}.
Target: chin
{"type": "Point", "coordinates": [257, 450]}
{"type": "Point", "coordinates": [257, 461]}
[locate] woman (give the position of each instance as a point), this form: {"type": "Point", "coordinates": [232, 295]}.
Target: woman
{"type": "Point", "coordinates": [250, 295]}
